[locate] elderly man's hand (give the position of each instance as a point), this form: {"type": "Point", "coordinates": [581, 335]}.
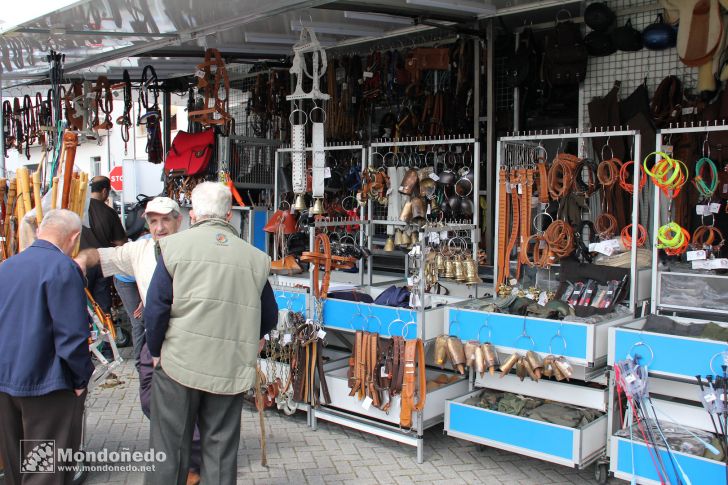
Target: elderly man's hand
{"type": "Point", "coordinates": [81, 262]}
{"type": "Point", "coordinates": [155, 361]}
{"type": "Point", "coordinates": [139, 311]}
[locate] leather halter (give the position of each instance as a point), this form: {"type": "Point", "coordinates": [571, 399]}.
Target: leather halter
{"type": "Point", "coordinates": [215, 109]}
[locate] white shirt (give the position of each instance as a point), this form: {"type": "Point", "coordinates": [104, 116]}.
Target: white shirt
{"type": "Point", "coordinates": [136, 258]}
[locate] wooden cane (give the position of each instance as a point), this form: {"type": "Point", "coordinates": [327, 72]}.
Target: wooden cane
{"type": "Point", "coordinates": [10, 208]}
{"type": "Point", "coordinates": [54, 193]}
{"type": "Point", "coordinates": [36, 197]}
{"type": "Point", "coordinates": [23, 175]}
{"type": "Point", "coordinates": [70, 141]}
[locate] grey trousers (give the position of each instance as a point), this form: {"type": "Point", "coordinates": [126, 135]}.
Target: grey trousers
{"type": "Point", "coordinates": [129, 294]}
{"type": "Point", "coordinates": [174, 411]}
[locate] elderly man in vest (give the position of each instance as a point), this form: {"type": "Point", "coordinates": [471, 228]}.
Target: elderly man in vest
{"type": "Point", "coordinates": [203, 322]}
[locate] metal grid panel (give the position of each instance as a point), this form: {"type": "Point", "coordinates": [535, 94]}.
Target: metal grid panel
{"type": "Point", "coordinates": [251, 163]}
{"type": "Point", "coordinates": [632, 68]}
{"type": "Point", "coordinates": [503, 92]}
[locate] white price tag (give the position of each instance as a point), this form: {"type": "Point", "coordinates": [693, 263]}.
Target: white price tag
{"type": "Point", "coordinates": [410, 281]}
{"type": "Point", "coordinates": [612, 243]}
{"type": "Point", "coordinates": [434, 237]}
{"type": "Point", "coordinates": [368, 74]}
{"type": "Point", "coordinates": [344, 85]}
{"type": "Point", "coordinates": [718, 263]}
{"type": "Point", "coordinates": [710, 398]}
{"type": "Point", "coordinates": [508, 187]}
{"type": "Point", "coordinates": [287, 339]}
{"type": "Point", "coordinates": [199, 73]}
{"type": "Point", "coordinates": [367, 403]}
{"type": "Point", "coordinates": [701, 265]}
{"type": "Point", "coordinates": [513, 282]}
{"type": "Point", "coordinates": [383, 372]}
{"type": "Point", "coordinates": [602, 248]}
{"type": "Point", "coordinates": [443, 235]}
{"type": "Point", "coordinates": [434, 176]}
{"type": "Point", "coordinates": [715, 207]}
{"type": "Point", "coordinates": [696, 255]}
{"type": "Point", "coordinates": [327, 172]}
{"type": "Point", "coordinates": [630, 378]}
{"type": "Point", "coordinates": [321, 334]}
{"type": "Point", "coordinates": [702, 210]}
{"type": "Point", "coordinates": [593, 247]}
{"type": "Point", "coordinates": [266, 337]}
{"type": "Point", "coordinates": [543, 298]}
{"type": "Point", "coordinates": [520, 189]}
{"type": "Point", "coordinates": [274, 334]}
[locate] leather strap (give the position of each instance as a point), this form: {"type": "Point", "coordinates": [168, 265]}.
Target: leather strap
{"type": "Point", "coordinates": [414, 356]}
{"type": "Point", "coordinates": [398, 366]}
{"type": "Point", "coordinates": [561, 175]}
{"type": "Point", "coordinates": [515, 215]}
{"type": "Point", "coordinates": [543, 183]}
{"type": "Point", "coordinates": [372, 355]}
{"type": "Point", "coordinates": [502, 225]}
{"type": "Point", "coordinates": [355, 363]}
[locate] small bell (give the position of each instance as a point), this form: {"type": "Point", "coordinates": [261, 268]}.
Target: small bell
{"type": "Point", "coordinates": [440, 263]}
{"type": "Point", "coordinates": [397, 238]}
{"type": "Point", "coordinates": [459, 271]}
{"type": "Point", "coordinates": [318, 208]}
{"type": "Point", "coordinates": [404, 240]}
{"type": "Point", "coordinates": [506, 367]}
{"type": "Point", "coordinates": [389, 245]}
{"type": "Point", "coordinates": [415, 237]}
{"type": "Point", "coordinates": [300, 204]}
{"type": "Point", "coordinates": [449, 268]}
{"type": "Point", "coordinates": [406, 214]}
{"type": "Point", "coordinates": [471, 273]}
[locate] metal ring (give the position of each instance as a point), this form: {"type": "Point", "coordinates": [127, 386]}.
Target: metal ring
{"type": "Point", "coordinates": [606, 145]}
{"type": "Point", "coordinates": [404, 328]}
{"type": "Point", "coordinates": [533, 342]}
{"type": "Point", "coordinates": [558, 335]}
{"type": "Point", "coordinates": [490, 332]}
{"type": "Point", "coordinates": [314, 109]}
{"type": "Point", "coordinates": [539, 217]}
{"type": "Point", "coordinates": [389, 327]}
{"type": "Point", "coordinates": [725, 360]}
{"type": "Point", "coordinates": [379, 319]}
{"type": "Point", "coordinates": [291, 118]}
{"type": "Point", "coordinates": [642, 343]}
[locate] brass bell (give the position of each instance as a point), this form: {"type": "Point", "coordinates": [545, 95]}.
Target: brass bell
{"type": "Point", "coordinates": [471, 272]}
{"type": "Point", "coordinates": [318, 207]}
{"type": "Point", "coordinates": [419, 210]}
{"type": "Point", "coordinates": [389, 245]}
{"type": "Point", "coordinates": [459, 271]}
{"type": "Point", "coordinates": [406, 214]}
{"type": "Point", "coordinates": [404, 240]}
{"type": "Point", "coordinates": [300, 203]}
{"type": "Point", "coordinates": [415, 237]}
{"type": "Point", "coordinates": [397, 238]}
{"type": "Point", "coordinates": [506, 367]}
{"type": "Point", "coordinates": [449, 268]}
{"type": "Point", "coordinates": [440, 262]}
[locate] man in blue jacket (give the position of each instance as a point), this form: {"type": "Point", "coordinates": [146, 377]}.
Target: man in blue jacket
{"type": "Point", "coordinates": [45, 364]}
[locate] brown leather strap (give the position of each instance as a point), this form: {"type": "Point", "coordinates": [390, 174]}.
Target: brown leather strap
{"type": "Point", "coordinates": [560, 238]}
{"type": "Point", "coordinates": [354, 381]}
{"type": "Point", "coordinates": [324, 387]}
{"type": "Point", "coordinates": [561, 175]}
{"type": "Point", "coordinates": [398, 366]}
{"type": "Point", "coordinates": [543, 183]}
{"type": "Point", "coordinates": [414, 357]}
{"type": "Point", "coordinates": [502, 225]}
{"type": "Point", "coordinates": [372, 356]}
{"type": "Point", "coordinates": [515, 218]}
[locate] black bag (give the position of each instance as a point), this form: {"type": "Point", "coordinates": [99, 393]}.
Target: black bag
{"type": "Point", "coordinates": [134, 217]}
{"type": "Point", "coordinates": [565, 55]}
{"type": "Point", "coordinates": [522, 66]}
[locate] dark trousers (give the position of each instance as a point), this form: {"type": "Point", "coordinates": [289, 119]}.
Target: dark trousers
{"type": "Point", "coordinates": [99, 287]}
{"type": "Point", "coordinates": [129, 294]}
{"type": "Point", "coordinates": [146, 372]}
{"type": "Point", "coordinates": [174, 411]}
{"type": "Point", "coordinates": [57, 416]}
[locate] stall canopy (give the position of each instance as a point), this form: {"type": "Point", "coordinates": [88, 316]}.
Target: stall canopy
{"type": "Point", "coordinates": [108, 36]}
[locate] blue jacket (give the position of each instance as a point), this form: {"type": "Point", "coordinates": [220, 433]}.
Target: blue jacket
{"type": "Point", "coordinates": [44, 324]}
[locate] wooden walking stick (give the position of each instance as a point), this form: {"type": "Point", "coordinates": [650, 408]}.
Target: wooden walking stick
{"type": "Point", "coordinates": [70, 141]}
{"type": "Point", "coordinates": [23, 176]}
{"type": "Point", "coordinates": [54, 193]}
{"type": "Point", "coordinates": [261, 409]}
{"type": "Point", "coordinates": [36, 197]}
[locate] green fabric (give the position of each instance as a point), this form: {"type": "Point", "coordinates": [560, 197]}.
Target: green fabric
{"type": "Point", "coordinates": [713, 331]}
{"type": "Point", "coordinates": [217, 278]}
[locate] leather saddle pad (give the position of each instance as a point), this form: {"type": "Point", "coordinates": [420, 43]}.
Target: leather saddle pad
{"type": "Point", "coordinates": [700, 31]}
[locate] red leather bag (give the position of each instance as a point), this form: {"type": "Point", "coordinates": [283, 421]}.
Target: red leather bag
{"type": "Point", "coordinates": [190, 153]}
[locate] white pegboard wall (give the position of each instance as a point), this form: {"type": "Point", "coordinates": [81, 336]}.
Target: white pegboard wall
{"type": "Point", "coordinates": [631, 68]}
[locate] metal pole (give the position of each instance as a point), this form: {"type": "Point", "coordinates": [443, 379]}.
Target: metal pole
{"type": "Point", "coordinates": [489, 152]}
{"type": "Point", "coordinates": [635, 222]}
{"type": "Point", "coordinates": [655, 226]}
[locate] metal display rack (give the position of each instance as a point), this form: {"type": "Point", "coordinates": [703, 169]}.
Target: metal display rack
{"type": "Point", "coordinates": [583, 344]}
{"type": "Point", "coordinates": [671, 379]}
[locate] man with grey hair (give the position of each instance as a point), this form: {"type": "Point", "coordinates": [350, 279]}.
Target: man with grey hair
{"type": "Point", "coordinates": [204, 316]}
{"type": "Point", "coordinates": [45, 363]}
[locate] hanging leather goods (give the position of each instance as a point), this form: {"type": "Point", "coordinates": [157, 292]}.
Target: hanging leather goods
{"type": "Point", "coordinates": [190, 153]}
{"type": "Point", "coordinates": [414, 364]}
{"type": "Point", "coordinates": [152, 116]}
{"type": "Point", "coordinates": [70, 142]}
{"type": "Point", "coordinates": [213, 82]}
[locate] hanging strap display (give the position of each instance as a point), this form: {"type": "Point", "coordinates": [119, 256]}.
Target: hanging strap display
{"type": "Point", "coordinates": [414, 362]}
{"type": "Point", "coordinates": [706, 190]}
{"type": "Point", "coordinates": [151, 118]}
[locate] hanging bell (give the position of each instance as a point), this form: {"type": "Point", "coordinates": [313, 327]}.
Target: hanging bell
{"type": "Point", "coordinates": [441, 350]}
{"type": "Point", "coordinates": [449, 269]}
{"type": "Point", "coordinates": [318, 207]}
{"type": "Point", "coordinates": [490, 356]}
{"type": "Point", "coordinates": [415, 237]}
{"type": "Point", "coordinates": [300, 203]}
{"type": "Point", "coordinates": [404, 240]}
{"type": "Point", "coordinates": [471, 273]}
{"type": "Point", "coordinates": [506, 367]}
{"type": "Point", "coordinates": [406, 214]}
{"type": "Point", "coordinates": [389, 245]}
{"type": "Point", "coordinates": [440, 262]}
{"type": "Point", "coordinates": [397, 238]}
{"type": "Point", "coordinates": [459, 271]}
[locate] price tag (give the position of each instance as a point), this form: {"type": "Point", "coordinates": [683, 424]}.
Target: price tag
{"type": "Point", "coordinates": [367, 403]}
{"type": "Point", "coordinates": [287, 339]}
{"type": "Point", "coordinates": [520, 189]}
{"type": "Point", "coordinates": [630, 378]}
{"type": "Point", "coordinates": [344, 85]}
{"type": "Point", "coordinates": [434, 237]}
{"type": "Point", "coordinates": [602, 248]}
{"type": "Point", "coordinates": [327, 172]}
{"type": "Point", "coordinates": [718, 263]}
{"type": "Point", "coordinates": [434, 176]}
{"type": "Point", "coordinates": [508, 187]}
{"type": "Point", "coordinates": [321, 334]}
{"type": "Point", "coordinates": [443, 236]}
{"type": "Point", "coordinates": [266, 337]}
{"type": "Point", "coordinates": [702, 210]}
{"type": "Point", "coordinates": [383, 372]}
{"type": "Point", "coordinates": [513, 282]}
{"type": "Point", "coordinates": [543, 298]}
{"type": "Point", "coordinates": [199, 73]}
{"type": "Point", "coordinates": [710, 398]}
{"type": "Point", "coordinates": [612, 243]}
{"type": "Point", "coordinates": [368, 74]}
{"type": "Point", "coordinates": [274, 334]}
{"type": "Point", "coordinates": [696, 255]}
{"type": "Point", "coordinates": [353, 100]}
{"type": "Point", "coordinates": [715, 207]}
{"type": "Point", "coordinates": [667, 149]}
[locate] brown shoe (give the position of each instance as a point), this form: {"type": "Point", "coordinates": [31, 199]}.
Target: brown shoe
{"type": "Point", "coordinates": [193, 478]}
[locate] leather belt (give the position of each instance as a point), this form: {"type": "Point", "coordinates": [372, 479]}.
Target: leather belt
{"type": "Point", "coordinates": [588, 186]}
{"type": "Point", "coordinates": [582, 243]}
{"type": "Point", "coordinates": [515, 215]}
{"type": "Point", "coordinates": [561, 175]}
{"type": "Point", "coordinates": [414, 357]}
{"type": "Point", "coordinates": [526, 210]}
{"type": "Point", "coordinates": [543, 183]}
{"type": "Point", "coordinates": [502, 225]}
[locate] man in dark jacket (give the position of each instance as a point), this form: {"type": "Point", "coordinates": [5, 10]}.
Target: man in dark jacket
{"type": "Point", "coordinates": [45, 364]}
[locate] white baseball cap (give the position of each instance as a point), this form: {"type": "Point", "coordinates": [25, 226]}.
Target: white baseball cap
{"type": "Point", "coordinates": [162, 205]}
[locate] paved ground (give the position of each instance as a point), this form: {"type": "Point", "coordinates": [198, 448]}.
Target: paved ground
{"type": "Point", "coordinates": [332, 454]}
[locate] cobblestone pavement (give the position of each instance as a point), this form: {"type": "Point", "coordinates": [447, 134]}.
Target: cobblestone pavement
{"type": "Point", "coordinates": [333, 454]}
